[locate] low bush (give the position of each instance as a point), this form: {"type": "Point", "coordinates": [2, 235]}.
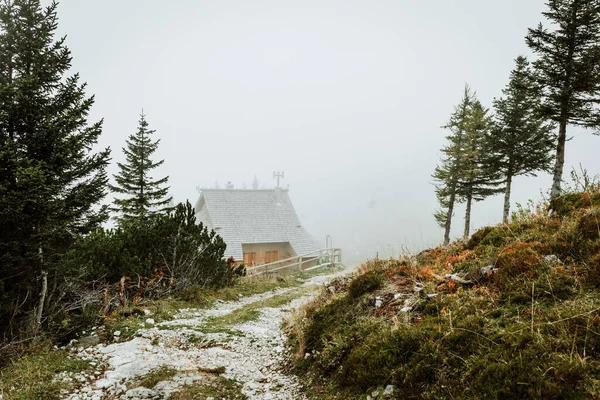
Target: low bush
{"type": "Point", "coordinates": [365, 283]}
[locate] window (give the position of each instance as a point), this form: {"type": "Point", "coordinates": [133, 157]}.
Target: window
{"type": "Point", "coordinates": [250, 258]}
{"type": "Point", "coordinates": [271, 256]}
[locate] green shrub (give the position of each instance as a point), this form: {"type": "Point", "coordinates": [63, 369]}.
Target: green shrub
{"type": "Point", "coordinates": [519, 261]}
{"type": "Point", "coordinates": [478, 236]}
{"type": "Point", "coordinates": [588, 225]}
{"type": "Point", "coordinates": [185, 252]}
{"type": "Point", "coordinates": [572, 202]}
{"type": "Point", "coordinates": [365, 283]}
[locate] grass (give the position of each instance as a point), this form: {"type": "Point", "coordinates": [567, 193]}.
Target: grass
{"type": "Point", "coordinates": [157, 375]}
{"type": "Point", "coordinates": [252, 286]}
{"type": "Point", "coordinates": [529, 330]}
{"type": "Point", "coordinates": [219, 388]}
{"type": "Point", "coordinates": [251, 311]}
{"type": "Point", "coordinates": [31, 377]}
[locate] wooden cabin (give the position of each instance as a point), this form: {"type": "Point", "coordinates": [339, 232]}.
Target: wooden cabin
{"type": "Point", "coordinates": [258, 226]}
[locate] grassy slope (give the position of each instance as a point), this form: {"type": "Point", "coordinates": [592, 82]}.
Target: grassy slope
{"type": "Point", "coordinates": [529, 330]}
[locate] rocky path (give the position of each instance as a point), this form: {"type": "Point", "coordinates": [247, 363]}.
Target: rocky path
{"type": "Point", "coordinates": [194, 349]}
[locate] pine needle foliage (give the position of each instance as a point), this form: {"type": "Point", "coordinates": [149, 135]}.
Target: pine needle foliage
{"type": "Point", "coordinates": [142, 195]}
{"type": "Point", "coordinates": [465, 173]}
{"type": "Point", "coordinates": [567, 69]}
{"type": "Point", "coordinates": [446, 174]}
{"type": "Point", "coordinates": [522, 138]}
{"type": "Point", "coordinates": [50, 180]}
{"type": "Point", "coordinates": [478, 178]}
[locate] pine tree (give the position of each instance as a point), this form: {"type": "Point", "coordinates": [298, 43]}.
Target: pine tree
{"type": "Point", "coordinates": [446, 174]}
{"type": "Point", "coordinates": [144, 196]}
{"type": "Point", "coordinates": [522, 138]}
{"type": "Point", "coordinates": [477, 177]}
{"type": "Point", "coordinates": [567, 69]}
{"type": "Point", "coordinates": [50, 180]}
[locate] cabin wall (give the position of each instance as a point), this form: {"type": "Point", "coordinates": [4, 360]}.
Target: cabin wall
{"type": "Point", "coordinates": [262, 253]}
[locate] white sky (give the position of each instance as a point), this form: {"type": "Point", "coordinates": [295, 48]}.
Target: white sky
{"type": "Point", "coordinates": [345, 96]}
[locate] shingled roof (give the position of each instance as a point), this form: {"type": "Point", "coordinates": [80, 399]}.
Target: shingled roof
{"type": "Point", "coordinates": [253, 216]}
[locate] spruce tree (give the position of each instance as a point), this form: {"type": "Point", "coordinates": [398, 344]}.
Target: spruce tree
{"type": "Point", "coordinates": [477, 176]}
{"type": "Point", "coordinates": [567, 70]}
{"type": "Point", "coordinates": [447, 173]}
{"type": "Point", "coordinates": [50, 180]}
{"type": "Point", "coordinates": [143, 196]}
{"type": "Point", "coordinates": [522, 138]}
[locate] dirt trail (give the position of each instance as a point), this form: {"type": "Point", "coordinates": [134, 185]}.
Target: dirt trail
{"type": "Point", "coordinates": [250, 353]}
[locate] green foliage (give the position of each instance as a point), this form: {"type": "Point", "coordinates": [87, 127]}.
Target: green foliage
{"type": "Point", "coordinates": [522, 138]}
{"type": "Point", "coordinates": [447, 173]}
{"type": "Point", "coordinates": [157, 375]}
{"type": "Point", "coordinates": [566, 62]}
{"type": "Point", "coordinates": [144, 196]}
{"type": "Point", "coordinates": [466, 172]}
{"type": "Point", "coordinates": [566, 69]}
{"type": "Point", "coordinates": [50, 179]}
{"type": "Point", "coordinates": [569, 203]}
{"type": "Point", "coordinates": [219, 388]}
{"type": "Point", "coordinates": [32, 377]}
{"type": "Point", "coordinates": [527, 330]}
{"type": "Point", "coordinates": [478, 237]}
{"type": "Point", "coordinates": [172, 244]}
{"type": "Point", "coordinates": [365, 283]}
{"type": "Point", "coordinates": [588, 225]}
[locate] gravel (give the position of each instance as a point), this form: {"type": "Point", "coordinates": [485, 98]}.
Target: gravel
{"type": "Point", "coordinates": [252, 354]}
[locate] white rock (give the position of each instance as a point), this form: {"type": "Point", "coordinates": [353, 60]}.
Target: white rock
{"type": "Point", "coordinates": [150, 321]}
{"type": "Point", "coordinates": [389, 390]}
{"type": "Point", "coordinates": [257, 351]}
{"type": "Point", "coordinates": [117, 333]}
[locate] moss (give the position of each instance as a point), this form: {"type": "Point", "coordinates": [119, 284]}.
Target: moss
{"type": "Point", "coordinates": [478, 236]}
{"type": "Point", "coordinates": [219, 388]}
{"type": "Point", "coordinates": [588, 225]}
{"type": "Point", "coordinates": [364, 284]}
{"type": "Point", "coordinates": [157, 375]}
{"type": "Point", "coordinates": [529, 330]}
{"type": "Point", "coordinates": [572, 202]}
{"type": "Point", "coordinates": [251, 311]}
{"type": "Point", "coordinates": [32, 377]}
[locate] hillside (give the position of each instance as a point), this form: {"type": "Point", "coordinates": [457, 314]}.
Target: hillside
{"type": "Point", "coordinates": [512, 313]}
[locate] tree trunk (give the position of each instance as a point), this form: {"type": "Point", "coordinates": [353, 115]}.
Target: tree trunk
{"type": "Point", "coordinates": [40, 310]}
{"type": "Point", "coordinates": [449, 218]}
{"type": "Point", "coordinates": [560, 160]}
{"type": "Point", "coordinates": [468, 218]}
{"type": "Point", "coordinates": [507, 198]}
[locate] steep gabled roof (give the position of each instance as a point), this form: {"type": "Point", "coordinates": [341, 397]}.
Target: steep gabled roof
{"type": "Point", "coordinates": [253, 216]}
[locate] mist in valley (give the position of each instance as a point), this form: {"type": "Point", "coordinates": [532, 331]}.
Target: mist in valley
{"type": "Point", "coordinates": [347, 97]}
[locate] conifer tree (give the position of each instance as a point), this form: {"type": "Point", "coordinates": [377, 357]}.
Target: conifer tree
{"type": "Point", "coordinates": [50, 180]}
{"type": "Point", "coordinates": [447, 173]}
{"type": "Point", "coordinates": [567, 69]}
{"type": "Point", "coordinates": [143, 196]}
{"type": "Point", "coordinates": [522, 138]}
{"type": "Point", "coordinates": [477, 176]}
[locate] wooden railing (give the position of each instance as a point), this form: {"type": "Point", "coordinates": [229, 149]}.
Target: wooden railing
{"type": "Point", "coordinates": [319, 258]}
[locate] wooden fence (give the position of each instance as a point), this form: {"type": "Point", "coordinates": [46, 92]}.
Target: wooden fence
{"type": "Point", "coordinates": [319, 258]}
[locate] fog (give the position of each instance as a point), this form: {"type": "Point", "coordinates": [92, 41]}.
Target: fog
{"type": "Point", "coordinates": [346, 96]}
